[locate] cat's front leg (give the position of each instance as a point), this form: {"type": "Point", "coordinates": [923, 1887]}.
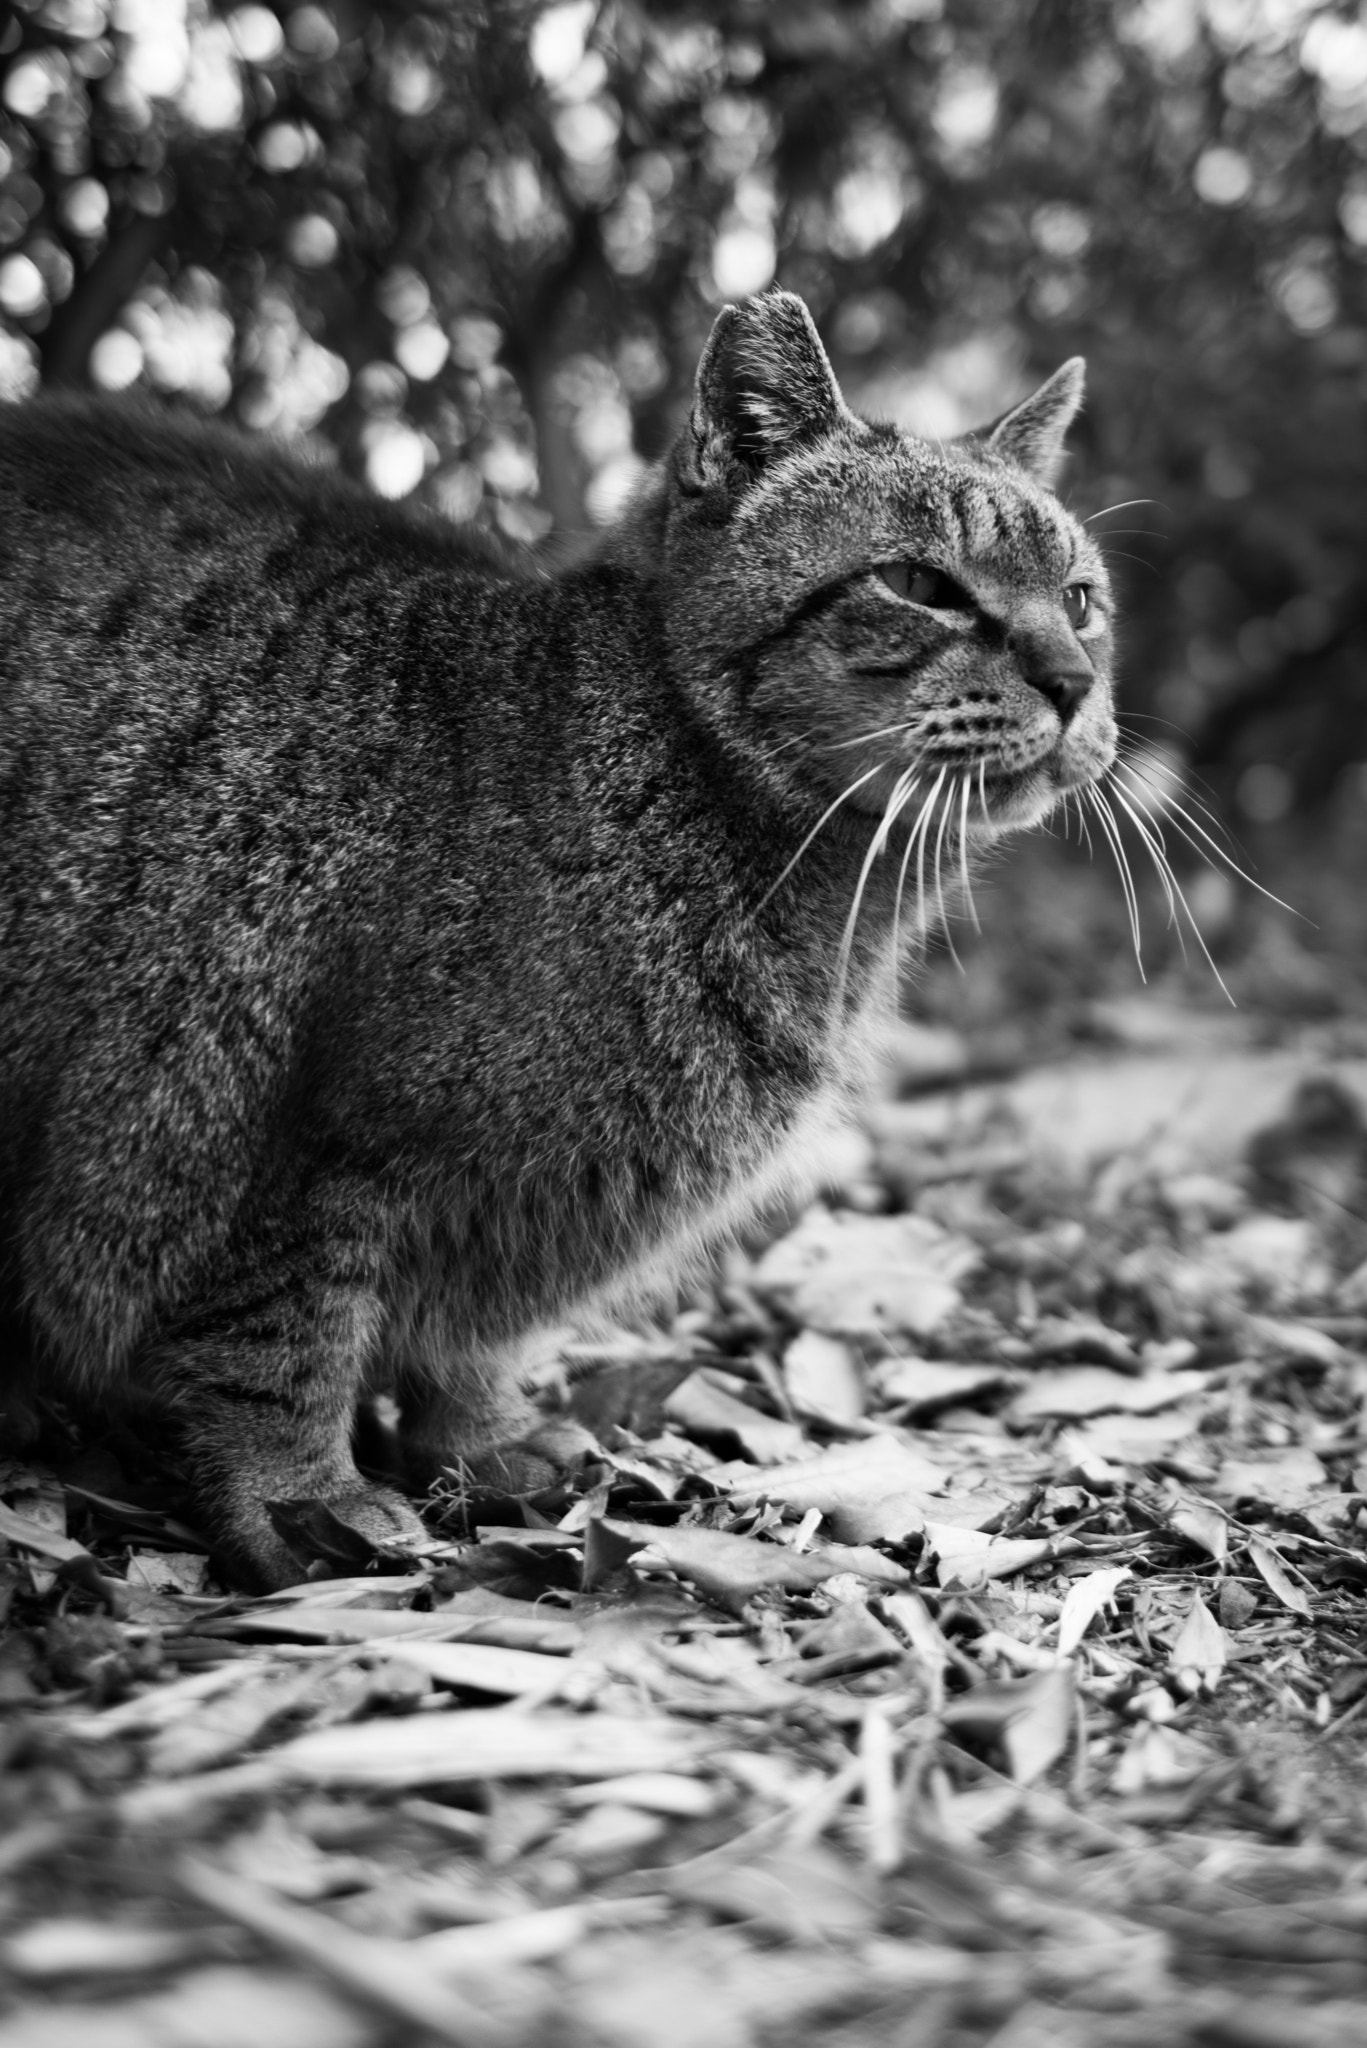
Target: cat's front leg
{"type": "Point", "coordinates": [264, 1374]}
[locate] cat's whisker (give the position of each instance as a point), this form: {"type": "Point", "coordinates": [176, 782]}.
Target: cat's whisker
{"type": "Point", "coordinates": [1171, 884]}
{"type": "Point", "coordinates": [1084, 829]}
{"type": "Point", "coordinates": [896, 804]}
{"type": "Point", "coordinates": [1182, 819]}
{"type": "Point", "coordinates": [917, 828]}
{"type": "Point", "coordinates": [915, 842]}
{"type": "Point", "coordinates": [828, 813]}
{"type": "Point", "coordinates": [1151, 832]}
{"type": "Point", "coordinates": [865, 739]}
{"type": "Point", "coordinates": [965, 789]}
{"type": "Point", "coordinates": [982, 787]}
{"type": "Point", "coordinates": [1112, 833]}
{"type": "Point", "coordinates": [942, 911]}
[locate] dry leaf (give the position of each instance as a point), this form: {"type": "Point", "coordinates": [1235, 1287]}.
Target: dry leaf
{"type": "Point", "coordinates": [865, 1276]}
{"type": "Point", "coordinates": [1283, 1479]}
{"type": "Point", "coordinates": [874, 1490]}
{"type": "Point", "coordinates": [1200, 1650]}
{"type": "Point", "coordinates": [924, 1386]}
{"type": "Point", "coordinates": [486, 1667]}
{"type": "Point", "coordinates": [457, 1747]}
{"type": "Point", "coordinates": [168, 1571]}
{"type": "Point", "coordinates": [965, 1557]}
{"type": "Point", "coordinates": [824, 1378]}
{"type": "Point", "coordinates": [708, 1404]}
{"type": "Point", "coordinates": [1202, 1525]}
{"type": "Point", "coordinates": [1086, 1597]}
{"type": "Point", "coordinates": [1028, 1719]}
{"type": "Point", "coordinates": [1083, 1337]}
{"type": "Point", "coordinates": [1269, 1564]}
{"type": "Point", "coordinates": [734, 1568]}
{"type": "Point", "coordinates": [1096, 1390]}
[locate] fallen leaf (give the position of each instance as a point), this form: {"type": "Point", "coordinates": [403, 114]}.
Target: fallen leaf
{"type": "Point", "coordinates": [708, 1404]}
{"type": "Point", "coordinates": [1199, 1651]}
{"type": "Point", "coordinates": [965, 1557]}
{"type": "Point", "coordinates": [55, 1951]}
{"type": "Point", "coordinates": [1285, 1479]}
{"type": "Point", "coordinates": [874, 1490]}
{"type": "Point", "coordinates": [1083, 1337]}
{"type": "Point", "coordinates": [824, 1378]}
{"type": "Point", "coordinates": [1096, 1390]}
{"type": "Point", "coordinates": [1085, 1599]}
{"type": "Point", "coordinates": [1159, 1758]}
{"type": "Point", "coordinates": [734, 1568]}
{"type": "Point", "coordinates": [1202, 1525]}
{"type": "Point", "coordinates": [1267, 1561]}
{"type": "Point", "coordinates": [924, 1386]}
{"type": "Point", "coordinates": [803, 1894]}
{"type": "Point", "coordinates": [168, 1571]}
{"type": "Point", "coordinates": [850, 1275]}
{"type": "Point", "coordinates": [1029, 1719]}
{"type": "Point", "coordinates": [1131, 1439]}
{"type": "Point", "coordinates": [457, 1747]}
{"type": "Point", "coordinates": [487, 1667]}
{"type": "Point", "coordinates": [655, 1791]}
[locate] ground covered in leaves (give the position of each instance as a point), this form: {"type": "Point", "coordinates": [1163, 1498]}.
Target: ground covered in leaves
{"type": "Point", "coordinates": [959, 1639]}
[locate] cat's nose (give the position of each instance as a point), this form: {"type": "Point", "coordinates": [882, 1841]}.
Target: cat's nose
{"type": "Point", "coordinates": [1052, 664]}
{"type": "Point", "coordinates": [1065, 688]}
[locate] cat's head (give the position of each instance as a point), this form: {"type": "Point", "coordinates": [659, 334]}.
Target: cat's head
{"type": "Point", "coordinates": [866, 608]}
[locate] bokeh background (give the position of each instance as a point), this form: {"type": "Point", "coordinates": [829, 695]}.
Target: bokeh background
{"type": "Point", "coordinates": [471, 251]}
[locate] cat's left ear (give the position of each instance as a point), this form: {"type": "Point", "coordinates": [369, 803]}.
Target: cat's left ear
{"type": "Point", "coordinates": [765, 386]}
{"type": "Point", "coordinates": [1033, 432]}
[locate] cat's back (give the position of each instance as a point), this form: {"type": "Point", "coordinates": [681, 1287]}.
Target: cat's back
{"type": "Point", "coordinates": [93, 490]}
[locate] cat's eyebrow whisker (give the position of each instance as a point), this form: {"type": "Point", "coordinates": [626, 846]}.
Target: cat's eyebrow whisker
{"type": "Point", "coordinates": [1111, 830]}
{"type": "Point", "coordinates": [829, 812]}
{"type": "Point", "coordinates": [1124, 505]}
{"type": "Point", "coordinates": [1171, 883]}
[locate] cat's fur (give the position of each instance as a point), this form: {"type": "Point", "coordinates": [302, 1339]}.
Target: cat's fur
{"type": "Point", "coordinates": [395, 946]}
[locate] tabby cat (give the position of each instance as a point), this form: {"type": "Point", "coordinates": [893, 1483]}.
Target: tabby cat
{"type": "Point", "coordinates": [402, 946]}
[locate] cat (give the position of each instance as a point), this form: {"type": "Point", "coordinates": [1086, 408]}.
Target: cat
{"type": "Point", "coordinates": [402, 945]}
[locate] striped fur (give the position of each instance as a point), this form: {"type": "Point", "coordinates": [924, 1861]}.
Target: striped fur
{"type": "Point", "coordinates": [402, 947]}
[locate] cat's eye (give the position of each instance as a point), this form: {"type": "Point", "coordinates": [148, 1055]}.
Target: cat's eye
{"type": "Point", "coordinates": [1077, 602]}
{"type": "Point", "coordinates": [920, 584]}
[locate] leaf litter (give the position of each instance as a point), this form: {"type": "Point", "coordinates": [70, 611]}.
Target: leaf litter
{"type": "Point", "coordinates": [957, 1639]}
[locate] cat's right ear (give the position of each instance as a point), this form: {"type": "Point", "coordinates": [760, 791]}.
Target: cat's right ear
{"type": "Point", "coordinates": [1032, 433]}
{"type": "Point", "coordinates": [764, 386]}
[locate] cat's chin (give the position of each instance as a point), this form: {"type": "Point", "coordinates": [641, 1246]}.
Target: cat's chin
{"type": "Point", "coordinates": [1015, 802]}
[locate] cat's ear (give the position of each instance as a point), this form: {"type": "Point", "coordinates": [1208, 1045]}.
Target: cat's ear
{"type": "Point", "coordinates": [764, 387]}
{"type": "Point", "coordinates": [1033, 432]}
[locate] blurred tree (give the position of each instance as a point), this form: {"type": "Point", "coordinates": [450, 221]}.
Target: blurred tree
{"type": "Point", "coordinates": [473, 248]}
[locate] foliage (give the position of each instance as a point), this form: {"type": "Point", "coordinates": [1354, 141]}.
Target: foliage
{"type": "Point", "coordinates": [475, 247]}
{"type": "Point", "coordinates": [956, 1640]}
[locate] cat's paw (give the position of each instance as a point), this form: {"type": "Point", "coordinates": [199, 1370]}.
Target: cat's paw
{"type": "Point", "coordinates": [528, 1464]}
{"type": "Point", "coordinates": [347, 1531]}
